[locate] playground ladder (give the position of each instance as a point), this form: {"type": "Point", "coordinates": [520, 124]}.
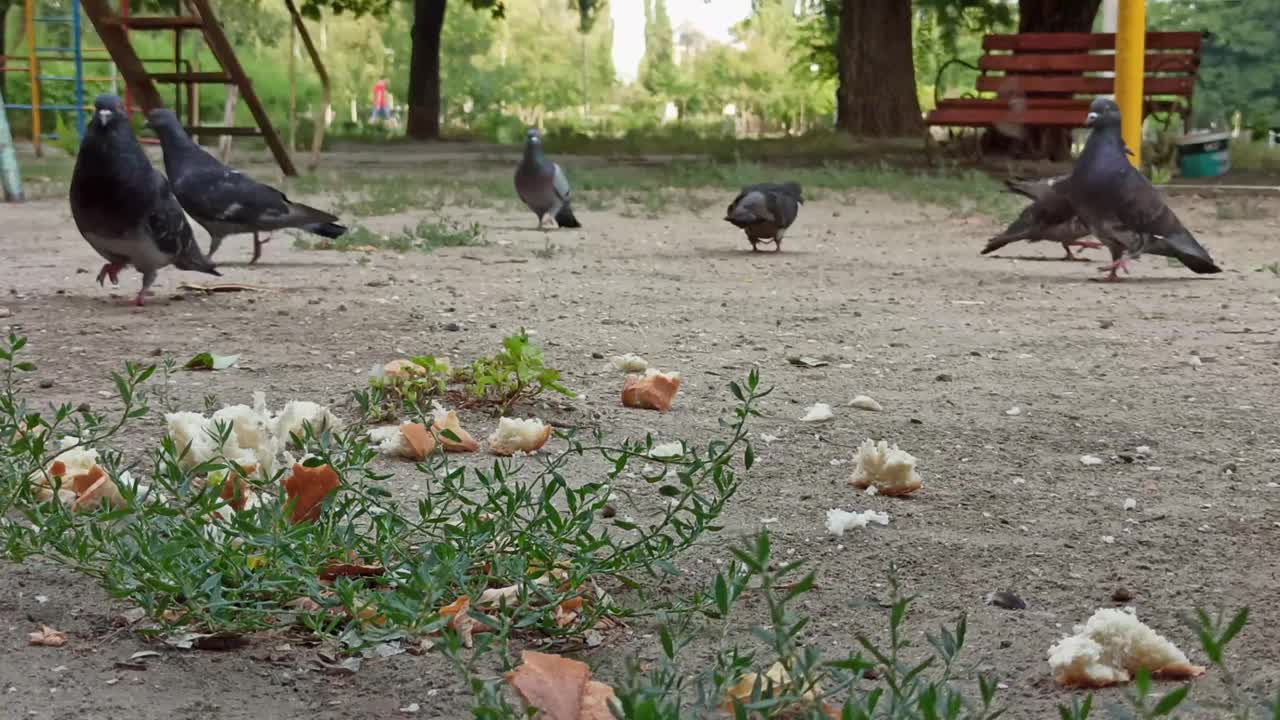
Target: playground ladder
{"type": "Point", "coordinates": [113, 31]}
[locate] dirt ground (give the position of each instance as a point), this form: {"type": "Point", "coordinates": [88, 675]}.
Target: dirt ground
{"type": "Point", "coordinates": [893, 295]}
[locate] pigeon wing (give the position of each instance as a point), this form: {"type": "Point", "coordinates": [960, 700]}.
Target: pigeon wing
{"type": "Point", "coordinates": [222, 195]}
{"type": "Point", "coordinates": [561, 184]}
{"type": "Point", "coordinates": [166, 222]}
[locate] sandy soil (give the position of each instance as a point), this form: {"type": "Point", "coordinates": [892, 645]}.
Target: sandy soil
{"type": "Point", "coordinates": [895, 296]}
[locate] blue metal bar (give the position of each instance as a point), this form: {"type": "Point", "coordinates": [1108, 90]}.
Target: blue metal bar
{"type": "Point", "coordinates": [75, 31]}
{"type": "Point", "coordinates": [69, 78]}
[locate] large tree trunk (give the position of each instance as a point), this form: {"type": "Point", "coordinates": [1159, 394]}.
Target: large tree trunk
{"type": "Point", "coordinates": [4, 10]}
{"type": "Point", "coordinates": [1052, 16]}
{"type": "Point", "coordinates": [424, 70]}
{"type": "Point", "coordinates": [877, 92]}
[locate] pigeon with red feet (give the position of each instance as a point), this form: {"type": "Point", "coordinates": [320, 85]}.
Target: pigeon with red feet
{"type": "Point", "coordinates": [1048, 217]}
{"type": "Point", "coordinates": [1120, 206]}
{"type": "Point", "coordinates": [124, 208]}
{"type": "Point", "coordinates": [226, 202]}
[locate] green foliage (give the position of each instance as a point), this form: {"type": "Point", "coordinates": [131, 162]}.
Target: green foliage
{"type": "Point", "coordinates": [516, 373]}
{"type": "Point", "coordinates": [427, 236]}
{"type": "Point", "coordinates": [515, 526]}
{"type": "Point", "coordinates": [1237, 70]}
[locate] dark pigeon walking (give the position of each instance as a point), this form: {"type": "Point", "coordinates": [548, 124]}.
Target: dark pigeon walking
{"type": "Point", "coordinates": [1120, 206]}
{"type": "Point", "coordinates": [1049, 217]}
{"type": "Point", "coordinates": [765, 211]}
{"type": "Point", "coordinates": [226, 202]}
{"type": "Point", "coordinates": [542, 185]}
{"type": "Point", "coordinates": [124, 207]}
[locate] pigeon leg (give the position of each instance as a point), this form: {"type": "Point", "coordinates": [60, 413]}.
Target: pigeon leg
{"type": "Point", "coordinates": [148, 278]}
{"type": "Point", "coordinates": [777, 242]}
{"type": "Point", "coordinates": [257, 247]}
{"type": "Point", "coordinates": [1121, 264]}
{"type": "Point", "coordinates": [1070, 255]}
{"type": "Point", "coordinates": [112, 271]}
{"type": "Point", "coordinates": [1092, 244]}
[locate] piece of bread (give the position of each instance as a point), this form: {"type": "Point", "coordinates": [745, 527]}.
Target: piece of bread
{"type": "Point", "coordinates": [100, 490]}
{"type": "Point", "coordinates": [411, 441]}
{"type": "Point", "coordinates": [448, 420]}
{"type": "Point", "coordinates": [1111, 647]}
{"type": "Point", "coordinates": [306, 487]}
{"type": "Point", "coordinates": [516, 435]}
{"type": "Point", "coordinates": [652, 391]}
{"type": "Point", "coordinates": [885, 467]}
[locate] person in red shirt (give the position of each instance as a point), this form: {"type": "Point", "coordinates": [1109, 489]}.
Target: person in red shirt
{"type": "Point", "coordinates": [380, 110]}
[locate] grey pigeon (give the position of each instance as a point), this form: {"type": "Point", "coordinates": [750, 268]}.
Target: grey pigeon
{"type": "Point", "coordinates": [542, 185]}
{"type": "Point", "coordinates": [765, 211]}
{"type": "Point", "coordinates": [224, 201]}
{"type": "Point", "coordinates": [1049, 217]}
{"type": "Point", "coordinates": [1120, 206]}
{"type": "Point", "coordinates": [124, 207]}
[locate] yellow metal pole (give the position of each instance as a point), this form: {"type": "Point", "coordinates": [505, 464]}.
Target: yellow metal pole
{"type": "Point", "coordinates": [1131, 54]}
{"type": "Point", "coordinates": [33, 70]}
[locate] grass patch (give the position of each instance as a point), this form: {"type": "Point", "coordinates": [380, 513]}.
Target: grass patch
{"type": "Point", "coordinates": [1241, 208]}
{"type": "Point", "coordinates": [427, 236]}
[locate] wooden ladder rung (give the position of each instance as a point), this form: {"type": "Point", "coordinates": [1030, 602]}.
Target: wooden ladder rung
{"type": "Point", "coordinates": [208, 78]}
{"type": "Point", "coordinates": [235, 131]}
{"type": "Point", "coordinates": [159, 22]}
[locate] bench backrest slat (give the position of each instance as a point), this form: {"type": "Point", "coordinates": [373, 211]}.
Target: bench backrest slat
{"type": "Point", "coordinates": [1084, 42]}
{"type": "Point", "coordinates": [1057, 62]}
{"type": "Point", "coordinates": [1081, 85]}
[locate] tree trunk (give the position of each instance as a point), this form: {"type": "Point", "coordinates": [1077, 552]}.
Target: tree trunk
{"type": "Point", "coordinates": [1053, 16]}
{"type": "Point", "coordinates": [877, 92]}
{"type": "Point", "coordinates": [4, 76]}
{"type": "Point", "coordinates": [424, 70]}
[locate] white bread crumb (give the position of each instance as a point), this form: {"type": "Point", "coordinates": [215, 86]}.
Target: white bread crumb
{"type": "Point", "coordinates": [663, 451]}
{"type": "Point", "coordinates": [1113, 645]}
{"type": "Point", "coordinates": [390, 441]}
{"type": "Point", "coordinates": [886, 468]}
{"type": "Point", "coordinates": [838, 520]}
{"type": "Point", "coordinates": [257, 435]}
{"type": "Point", "coordinates": [630, 363]}
{"type": "Point", "coordinates": [516, 435]}
{"type": "Point", "coordinates": [818, 412]}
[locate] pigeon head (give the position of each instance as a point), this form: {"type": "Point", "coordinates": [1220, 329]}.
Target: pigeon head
{"type": "Point", "coordinates": [162, 118]}
{"type": "Point", "coordinates": [532, 136]}
{"type": "Point", "coordinates": [1103, 113]}
{"type": "Point", "coordinates": [108, 109]}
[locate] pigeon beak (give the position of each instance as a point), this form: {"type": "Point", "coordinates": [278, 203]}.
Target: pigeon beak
{"type": "Point", "coordinates": [1090, 119]}
{"type": "Point", "coordinates": [104, 117]}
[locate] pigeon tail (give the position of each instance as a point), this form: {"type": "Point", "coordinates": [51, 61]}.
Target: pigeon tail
{"type": "Point", "coordinates": [998, 242]}
{"type": "Point", "coordinates": [565, 218]}
{"type": "Point", "coordinates": [1199, 265]}
{"type": "Point", "coordinates": [331, 230]}
{"type": "Point", "coordinates": [193, 260]}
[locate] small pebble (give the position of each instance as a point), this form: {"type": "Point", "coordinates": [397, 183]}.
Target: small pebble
{"type": "Point", "coordinates": [1106, 324]}
{"type": "Point", "coordinates": [1091, 460]}
{"type": "Point", "coordinates": [1013, 411]}
{"type": "Point", "coordinates": [46, 384]}
{"type": "Point", "coordinates": [1007, 600]}
{"type": "Point", "coordinates": [1130, 503]}
{"type": "Point", "coordinates": [5, 312]}
{"type": "Point", "coordinates": [597, 356]}
{"type": "Point", "coordinates": [1194, 361]}
{"type": "Point", "coordinates": [1109, 539]}
{"type": "Point", "coordinates": [452, 327]}
{"type": "Point", "coordinates": [944, 377]}
{"type": "Point", "coordinates": [1121, 595]}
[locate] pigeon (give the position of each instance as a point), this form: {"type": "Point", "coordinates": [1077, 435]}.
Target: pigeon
{"type": "Point", "coordinates": [765, 211]}
{"type": "Point", "coordinates": [124, 207]}
{"type": "Point", "coordinates": [224, 201]}
{"type": "Point", "coordinates": [542, 185]}
{"type": "Point", "coordinates": [1049, 217]}
{"type": "Point", "coordinates": [1120, 206]}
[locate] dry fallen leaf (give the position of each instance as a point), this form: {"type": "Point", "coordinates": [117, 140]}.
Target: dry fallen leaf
{"type": "Point", "coordinates": [775, 681]}
{"type": "Point", "coordinates": [561, 688]}
{"type": "Point", "coordinates": [335, 569]}
{"type": "Point", "coordinates": [568, 612]}
{"type": "Point", "coordinates": [464, 622]}
{"type": "Point", "coordinates": [47, 637]}
{"type": "Point", "coordinates": [306, 488]}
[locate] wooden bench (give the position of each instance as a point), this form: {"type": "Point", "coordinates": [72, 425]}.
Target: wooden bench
{"type": "Point", "coordinates": [1048, 79]}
